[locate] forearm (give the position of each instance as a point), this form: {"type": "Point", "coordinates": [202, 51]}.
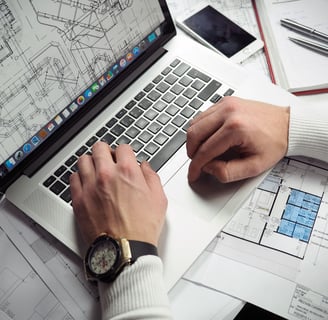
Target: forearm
{"type": "Point", "coordinates": [308, 132]}
{"type": "Point", "coordinates": [137, 293]}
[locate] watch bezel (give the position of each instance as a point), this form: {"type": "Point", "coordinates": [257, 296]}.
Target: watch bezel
{"type": "Point", "coordinates": [112, 272]}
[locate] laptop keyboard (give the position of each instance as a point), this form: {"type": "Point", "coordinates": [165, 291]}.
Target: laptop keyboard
{"type": "Point", "coordinates": [154, 123]}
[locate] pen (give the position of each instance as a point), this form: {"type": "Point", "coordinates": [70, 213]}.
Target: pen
{"type": "Point", "coordinates": [311, 45]}
{"type": "Point", "coordinates": [301, 28]}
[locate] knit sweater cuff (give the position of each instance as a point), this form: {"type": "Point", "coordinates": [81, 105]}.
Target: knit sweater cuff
{"type": "Point", "coordinates": [308, 132]}
{"type": "Point", "coordinates": [137, 293]}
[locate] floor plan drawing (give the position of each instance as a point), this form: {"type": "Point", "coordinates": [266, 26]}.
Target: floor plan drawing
{"type": "Point", "coordinates": [274, 251]}
{"type": "Point", "coordinates": [285, 212]}
{"type": "Point", "coordinates": [37, 266]}
{"type": "Point", "coordinates": [17, 280]}
{"type": "Point", "coordinates": [50, 51]}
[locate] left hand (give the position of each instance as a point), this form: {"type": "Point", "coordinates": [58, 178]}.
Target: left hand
{"type": "Point", "coordinates": [112, 193]}
{"type": "Point", "coordinates": [256, 132]}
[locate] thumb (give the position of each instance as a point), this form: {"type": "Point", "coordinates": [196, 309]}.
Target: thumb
{"type": "Point", "coordinates": [234, 169]}
{"type": "Point", "coordinates": [151, 177]}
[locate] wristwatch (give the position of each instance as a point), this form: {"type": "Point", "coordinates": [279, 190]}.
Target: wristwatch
{"type": "Point", "coordinates": [107, 257]}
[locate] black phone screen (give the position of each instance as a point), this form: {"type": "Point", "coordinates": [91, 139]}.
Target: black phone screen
{"type": "Point", "coordinates": [219, 31]}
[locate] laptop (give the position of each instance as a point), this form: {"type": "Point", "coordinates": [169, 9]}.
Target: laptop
{"type": "Point", "coordinates": [74, 73]}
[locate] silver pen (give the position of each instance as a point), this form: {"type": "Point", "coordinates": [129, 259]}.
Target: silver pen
{"type": "Point", "coordinates": [315, 46]}
{"type": "Point", "coordinates": [301, 28]}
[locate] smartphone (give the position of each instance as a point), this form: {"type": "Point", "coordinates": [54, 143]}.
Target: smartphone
{"type": "Point", "coordinates": [216, 31]}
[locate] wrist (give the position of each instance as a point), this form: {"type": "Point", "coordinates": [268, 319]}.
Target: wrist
{"type": "Point", "coordinates": [107, 256]}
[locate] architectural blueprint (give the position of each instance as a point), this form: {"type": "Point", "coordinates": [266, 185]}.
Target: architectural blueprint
{"type": "Point", "coordinates": [50, 51]}
{"type": "Point", "coordinates": [39, 277]}
{"type": "Point", "coordinates": [279, 236]}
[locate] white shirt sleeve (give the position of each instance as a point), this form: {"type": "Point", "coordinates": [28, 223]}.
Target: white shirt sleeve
{"type": "Point", "coordinates": [137, 293]}
{"type": "Point", "coordinates": [308, 132]}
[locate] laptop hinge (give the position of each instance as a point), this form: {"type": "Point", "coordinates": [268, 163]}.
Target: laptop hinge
{"type": "Point", "coordinates": [57, 142]}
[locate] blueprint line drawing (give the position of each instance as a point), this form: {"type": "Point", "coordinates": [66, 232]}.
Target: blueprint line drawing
{"type": "Point", "coordinates": [36, 264]}
{"type": "Point", "coordinates": [285, 212]}
{"type": "Point", "coordinates": [50, 51]}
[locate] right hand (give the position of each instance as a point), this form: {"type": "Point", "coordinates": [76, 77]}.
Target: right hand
{"type": "Point", "coordinates": [257, 132]}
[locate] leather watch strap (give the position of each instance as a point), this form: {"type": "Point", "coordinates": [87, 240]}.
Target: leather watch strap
{"type": "Point", "coordinates": [139, 248]}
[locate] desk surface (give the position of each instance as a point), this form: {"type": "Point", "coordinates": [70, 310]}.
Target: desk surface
{"type": "Point", "coordinates": [35, 259]}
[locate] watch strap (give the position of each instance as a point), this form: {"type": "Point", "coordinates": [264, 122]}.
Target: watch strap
{"type": "Point", "coordinates": [140, 248]}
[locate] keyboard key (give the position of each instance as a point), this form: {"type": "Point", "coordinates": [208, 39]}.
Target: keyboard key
{"type": "Point", "coordinates": [163, 119]}
{"type": "Point", "coordinates": [166, 71]}
{"type": "Point", "coordinates": [168, 151]}
{"type": "Point", "coordinates": [181, 69]}
{"type": "Point", "coordinates": [151, 148]}
{"type": "Point", "coordinates": [66, 195]}
{"type": "Point", "coordinates": [185, 81]}
{"type": "Point", "coordinates": [108, 138]}
{"type": "Point", "coordinates": [145, 136]}
{"type": "Point", "coordinates": [170, 130]}
{"type": "Point", "coordinates": [209, 90]}
{"type": "Point", "coordinates": [179, 121]}
{"type": "Point", "coordinates": [154, 127]}
{"type": "Point", "coordinates": [101, 132]}
{"type": "Point", "coordinates": [151, 114]}
{"type": "Point", "coordinates": [81, 151]}
{"type": "Point", "coordinates": [154, 95]}
{"type": "Point", "coordinates": [136, 112]}
{"type": "Point", "coordinates": [132, 132]}
{"type": "Point", "coordinates": [49, 181]}
{"type": "Point", "coordinates": [158, 79]}
{"type": "Point", "coordinates": [159, 105]}
{"type": "Point", "coordinates": [174, 63]}
{"type": "Point", "coordinates": [136, 146]}
{"type": "Point", "coordinates": [177, 89]}
{"type": "Point", "coordinates": [160, 138]}
{"type": "Point", "coordinates": [65, 177]}
{"type": "Point", "coordinates": [127, 121]}
{"type": "Point", "coordinates": [189, 93]}
{"type": "Point", "coordinates": [142, 156]}
{"type": "Point", "coordinates": [130, 104]}
{"type": "Point", "coordinates": [123, 140]}
{"type": "Point", "coordinates": [139, 96]}
{"type": "Point", "coordinates": [162, 87]}
{"type": "Point", "coordinates": [194, 73]}
{"type": "Point", "coordinates": [172, 110]}
{"type": "Point", "coordinates": [168, 97]}
{"type": "Point", "coordinates": [196, 103]}
{"type": "Point", "coordinates": [181, 101]}
{"type": "Point", "coordinates": [229, 92]}
{"type": "Point", "coordinates": [142, 123]}
{"type": "Point", "coordinates": [198, 85]}
{"type": "Point", "coordinates": [121, 113]}
{"type": "Point", "coordinates": [60, 171]}
{"type": "Point", "coordinates": [171, 79]}
{"type": "Point", "coordinates": [149, 87]}
{"type": "Point", "coordinates": [70, 161]}
{"type": "Point", "coordinates": [57, 187]}
{"type": "Point", "coordinates": [145, 104]}
{"type": "Point", "coordinates": [117, 130]}
{"type": "Point", "coordinates": [216, 98]}
{"type": "Point", "coordinates": [111, 122]}
{"type": "Point", "coordinates": [91, 141]}
{"type": "Point", "coordinates": [187, 112]}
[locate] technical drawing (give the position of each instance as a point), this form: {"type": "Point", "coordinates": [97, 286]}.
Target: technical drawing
{"type": "Point", "coordinates": [50, 51]}
{"type": "Point", "coordinates": [282, 213]}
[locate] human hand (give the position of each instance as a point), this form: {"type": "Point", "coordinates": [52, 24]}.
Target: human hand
{"type": "Point", "coordinates": [112, 193]}
{"type": "Point", "coordinates": [257, 132]}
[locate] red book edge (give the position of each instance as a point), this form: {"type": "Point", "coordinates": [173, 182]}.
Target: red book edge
{"type": "Point", "coordinates": [267, 56]}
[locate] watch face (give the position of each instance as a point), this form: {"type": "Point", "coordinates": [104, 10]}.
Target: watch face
{"type": "Point", "coordinates": [103, 257]}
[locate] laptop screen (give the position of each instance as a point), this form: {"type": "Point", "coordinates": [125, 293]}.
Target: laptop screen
{"type": "Point", "coordinates": [56, 56]}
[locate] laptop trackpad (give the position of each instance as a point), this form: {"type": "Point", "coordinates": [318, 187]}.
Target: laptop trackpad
{"type": "Point", "coordinates": [205, 198]}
